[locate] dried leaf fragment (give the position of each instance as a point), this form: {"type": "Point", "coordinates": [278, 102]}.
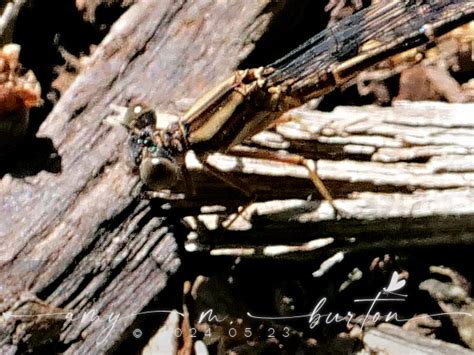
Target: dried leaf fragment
{"type": "Point", "coordinates": [19, 92]}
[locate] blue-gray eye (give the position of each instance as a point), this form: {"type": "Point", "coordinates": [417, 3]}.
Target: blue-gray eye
{"type": "Point", "coordinates": [158, 173]}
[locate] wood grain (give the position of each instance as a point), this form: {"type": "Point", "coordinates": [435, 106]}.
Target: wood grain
{"type": "Point", "coordinates": [80, 239]}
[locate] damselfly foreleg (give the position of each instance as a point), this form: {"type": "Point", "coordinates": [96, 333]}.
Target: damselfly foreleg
{"type": "Point", "coordinates": [293, 159]}
{"type": "Point", "coordinates": [231, 180]}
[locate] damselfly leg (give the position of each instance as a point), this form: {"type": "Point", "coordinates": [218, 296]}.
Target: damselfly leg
{"type": "Point", "coordinates": [292, 159]}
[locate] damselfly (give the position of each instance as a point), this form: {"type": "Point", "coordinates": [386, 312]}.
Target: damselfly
{"type": "Point", "coordinates": [252, 99]}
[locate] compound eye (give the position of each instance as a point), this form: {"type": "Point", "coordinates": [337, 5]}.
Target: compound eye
{"type": "Point", "coordinates": [158, 173]}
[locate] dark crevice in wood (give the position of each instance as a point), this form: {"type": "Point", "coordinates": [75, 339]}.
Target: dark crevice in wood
{"type": "Point", "coordinates": [77, 112]}
{"type": "Point", "coordinates": [365, 231]}
{"type": "Point", "coordinates": [31, 157]}
{"type": "Point", "coordinates": [271, 187]}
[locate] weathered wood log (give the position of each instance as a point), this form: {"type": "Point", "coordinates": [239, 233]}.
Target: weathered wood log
{"type": "Point", "coordinates": [80, 240]}
{"type": "Point", "coordinates": [412, 146]}
{"type": "Point", "coordinates": [404, 173]}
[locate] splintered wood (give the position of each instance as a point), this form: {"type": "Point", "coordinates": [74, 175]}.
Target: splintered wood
{"type": "Point", "coordinates": [411, 146]}
{"type": "Point", "coordinates": [413, 160]}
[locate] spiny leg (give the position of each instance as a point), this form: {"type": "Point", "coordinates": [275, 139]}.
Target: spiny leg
{"type": "Point", "coordinates": [290, 159]}
{"type": "Point", "coordinates": [310, 165]}
{"type": "Point", "coordinates": [227, 178]}
{"type": "Point", "coordinates": [234, 182]}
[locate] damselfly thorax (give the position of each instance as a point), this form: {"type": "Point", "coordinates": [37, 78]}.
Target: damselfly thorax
{"type": "Point", "coordinates": [232, 112]}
